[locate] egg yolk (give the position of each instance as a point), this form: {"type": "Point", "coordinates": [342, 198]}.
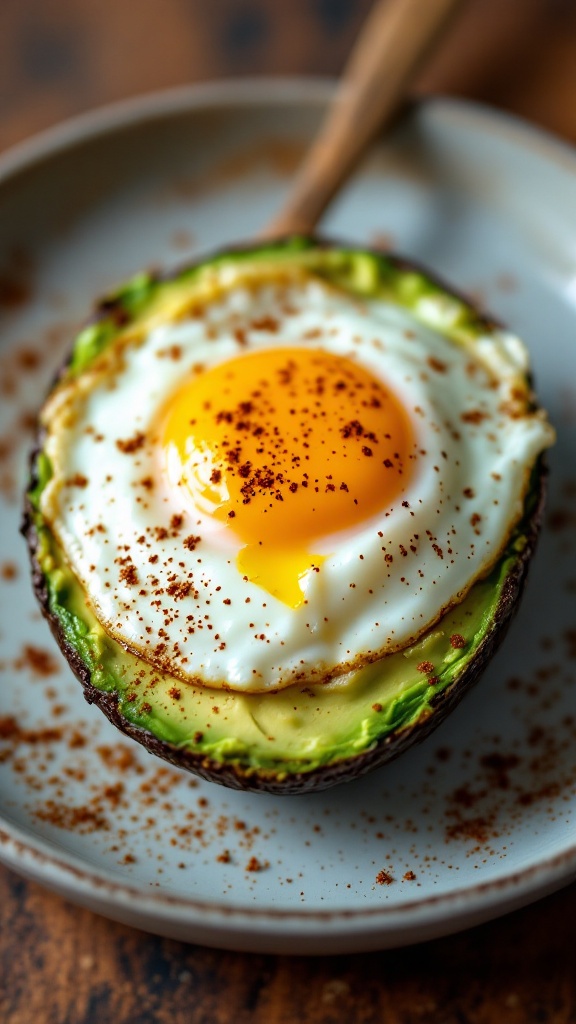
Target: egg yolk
{"type": "Point", "coordinates": [286, 446]}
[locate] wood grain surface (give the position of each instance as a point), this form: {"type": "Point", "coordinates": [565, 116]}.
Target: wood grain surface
{"type": "Point", "coordinates": [63, 965]}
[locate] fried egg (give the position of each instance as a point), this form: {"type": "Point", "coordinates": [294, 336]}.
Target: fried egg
{"type": "Point", "coordinates": [285, 482]}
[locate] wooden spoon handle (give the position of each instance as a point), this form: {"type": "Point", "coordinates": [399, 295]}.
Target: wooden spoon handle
{"type": "Point", "coordinates": [393, 42]}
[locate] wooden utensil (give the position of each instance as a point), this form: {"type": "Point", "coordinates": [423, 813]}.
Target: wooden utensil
{"type": "Point", "coordinates": [392, 45]}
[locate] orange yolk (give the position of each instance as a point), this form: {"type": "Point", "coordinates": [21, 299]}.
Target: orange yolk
{"type": "Point", "coordinates": [286, 446]}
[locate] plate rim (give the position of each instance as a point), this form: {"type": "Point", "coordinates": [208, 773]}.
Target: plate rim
{"type": "Point", "coordinates": [265, 91]}
{"type": "Point", "coordinates": [16, 844]}
{"type": "Point", "coordinates": [35, 857]}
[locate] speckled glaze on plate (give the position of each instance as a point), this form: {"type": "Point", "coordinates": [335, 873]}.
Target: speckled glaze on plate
{"type": "Point", "coordinates": [480, 818]}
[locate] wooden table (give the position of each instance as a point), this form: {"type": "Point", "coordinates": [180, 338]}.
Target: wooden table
{"type": "Point", "coordinates": [63, 965]}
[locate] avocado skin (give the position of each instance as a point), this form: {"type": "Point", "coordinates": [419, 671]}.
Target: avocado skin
{"type": "Point", "coordinates": [325, 776]}
{"type": "Point", "coordinates": [389, 747]}
{"type": "Point", "coordinates": [234, 775]}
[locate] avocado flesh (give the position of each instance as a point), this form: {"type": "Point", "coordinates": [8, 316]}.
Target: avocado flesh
{"type": "Point", "coordinates": [288, 731]}
{"type": "Point", "coordinates": [266, 739]}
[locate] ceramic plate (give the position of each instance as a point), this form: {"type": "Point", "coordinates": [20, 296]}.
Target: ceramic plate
{"type": "Point", "coordinates": [481, 817]}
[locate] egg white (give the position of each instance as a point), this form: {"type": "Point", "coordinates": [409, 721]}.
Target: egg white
{"type": "Point", "coordinates": [162, 577]}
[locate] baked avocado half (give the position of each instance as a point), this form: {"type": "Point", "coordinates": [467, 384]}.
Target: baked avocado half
{"type": "Point", "coordinates": [301, 729]}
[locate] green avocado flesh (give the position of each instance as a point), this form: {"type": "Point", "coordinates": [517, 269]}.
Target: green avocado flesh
{"type": "Point", "coordinates": [297, 729]}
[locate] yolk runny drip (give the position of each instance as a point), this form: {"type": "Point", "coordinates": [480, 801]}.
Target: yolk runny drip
{"type": "Point", "coordinates": [286, 446]}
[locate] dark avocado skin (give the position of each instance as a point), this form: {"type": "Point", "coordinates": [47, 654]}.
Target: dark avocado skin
{"type": "Point", "coordinates": [233, 774]}
{"type": "Point", "coordinates": [326, 776]}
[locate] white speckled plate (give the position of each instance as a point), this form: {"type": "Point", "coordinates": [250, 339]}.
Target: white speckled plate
{"type": "Point", "coordinates": [481, 817]}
